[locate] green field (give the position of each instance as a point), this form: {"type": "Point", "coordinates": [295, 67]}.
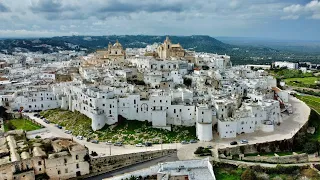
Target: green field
{"type": "Point", "coordinates": [228, 173]}
{"type": "Point", "coordinates": [308, 82]}
{"type": "Point", "coordinates": [311, 101]}
{"type": "Point", "coordinates": [127, 131]}
{"type": "Point", "coordinates": [23, 124]}
{"type": "Point", "coordinates": [305, 80]}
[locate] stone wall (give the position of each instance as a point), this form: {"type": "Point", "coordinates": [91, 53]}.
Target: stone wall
{"type": "Point", "coordinates": [290, 159]}
{"type": "Point", "coordinates": [100, 165]}
{"type": "Point", "coordinates": [274, 146]}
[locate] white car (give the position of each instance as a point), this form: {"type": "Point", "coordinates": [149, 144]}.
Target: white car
{"type": "Point", "coordinates": [244, 141]}
{"type": "Point", "coordinates": [108, 143]}
{"type": "Point", "coordinates": [80, 137]}
{"type": "Point", "coordinates": [139, 145]}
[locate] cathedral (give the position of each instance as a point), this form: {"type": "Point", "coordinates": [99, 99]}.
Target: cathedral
{"type": "Point", "coordinates": [167, 50]}
{"type": "Point", "coordinates": [114, 52]}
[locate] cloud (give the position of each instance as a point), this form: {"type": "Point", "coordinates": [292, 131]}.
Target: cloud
{"type": "Point", "coordinates": [180, 17]}
{"type": "Point", "coordinates": [311, 10]}
{"type": "Point", "coordinates": [143, 5]}
{"type": "Point", "coordinates": [293, 17]}
{"type": "Point", "coordinates": [4, 8]}
{"type": "Point", "coordinates": [49, 6]}
{"type": "Point", "coordinates": [293, 8]}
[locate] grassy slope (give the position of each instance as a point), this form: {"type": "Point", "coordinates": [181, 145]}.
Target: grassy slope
{"type": "Point", "coordinates": [24, 124]}
{"type": "Point", "coordinates": [127, 131]}
{"type": "Point", "coordinates": [312, 101]}
{"type": "Point", "coordinates": [305, 80]}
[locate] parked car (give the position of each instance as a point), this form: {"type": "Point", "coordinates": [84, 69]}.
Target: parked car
{"type": "Point", "coordinates": [193, 141]}
{"type": "Point", "coordinates": [244, 141]}
{"type": "Point", "coordinates": [233, 143]}
{"type": "Point", "coordinates": [35, 115]}
{"type": "Point", "coordinates": [184, 142]}
{"type": "Point", "coordinates": [95, 141]}
{"type": "Point", "coordinates": [46, 121]}
{"type": "Point", "coordinates": [68, 131]}
{"type": "Point", "coordinates": [118, 144]}
{"type": "Point", "coordinates": [58, 126]}
{"type": "Point", "coordinates": [80, 137]}
{"type": "Point", "coordinates": [139, 145]}
{"type": "Point", "coordinates": [108, 143]}
{"type": "Point", "coordinates": [148, 144]}
{"type": "Point", "coordinates": [41, 117]}
{"type": "Point", "coordinates": [209, 147]}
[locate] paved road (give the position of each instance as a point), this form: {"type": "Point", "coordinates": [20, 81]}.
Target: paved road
{"type": "Point", "coordinates": [171, 157]}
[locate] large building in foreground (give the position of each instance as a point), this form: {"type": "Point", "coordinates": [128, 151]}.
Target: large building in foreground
{"type": "Point", "coordinates": [200, 169]}
{"type": "Point", "coordinates": [25, 159]}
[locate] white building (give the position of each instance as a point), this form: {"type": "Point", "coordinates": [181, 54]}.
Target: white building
{"type": "Point", "coordinates": [289, 65]}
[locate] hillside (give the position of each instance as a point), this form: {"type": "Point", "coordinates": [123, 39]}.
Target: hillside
{"type": "Point", "coordinates": [240, 54]}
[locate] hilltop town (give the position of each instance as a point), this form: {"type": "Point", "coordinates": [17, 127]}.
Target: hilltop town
{"type": "Point", "coordinates": [163, 85]}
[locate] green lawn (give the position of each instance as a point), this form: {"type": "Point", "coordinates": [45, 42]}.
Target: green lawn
{"type": "Point", "coordinates": [314, 118]}
{"type": "Point", "coordinates": [301, 82]}
{"type": "Point", "coordinates": [311, 101]}
{"type": "Point", "coordinates": [225, 173]}
{"type": "Point", "coordinates": [128, 131]}
{"type": "Point", "coordinates": [24, 124]}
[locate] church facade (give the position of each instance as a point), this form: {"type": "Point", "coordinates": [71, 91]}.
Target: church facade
{"type": "Point", "coordinates": [114, 52]}
{"type": "Point", "coordinates": [167, 50]}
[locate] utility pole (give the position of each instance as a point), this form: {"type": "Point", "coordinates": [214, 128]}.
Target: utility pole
{"type": "Point", "coordinates": [110, 149]}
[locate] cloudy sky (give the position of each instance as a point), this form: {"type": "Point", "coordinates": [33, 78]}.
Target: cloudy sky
{"type": "Point", "coordinates": [278, 19]}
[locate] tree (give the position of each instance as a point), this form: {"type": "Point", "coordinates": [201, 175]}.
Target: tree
{"type": "Point", "coordinates": [187, 81]}
{"type": "Point", "coordinates": [248, 174]}
{"type": "Point", "coordinates": [10, 126]}
{"type": "Point", "coordinates": [310, 147]}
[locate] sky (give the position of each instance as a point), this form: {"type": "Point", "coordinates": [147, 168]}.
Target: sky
{"type": "Point", "coordinates": [276, 19]}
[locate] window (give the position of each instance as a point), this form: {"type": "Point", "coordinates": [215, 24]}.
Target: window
{"type": "Point", "coordinates": [103, 105]}
{"type": "Point", "coordinates": [102, 96]}
{"type": "Point", "coordinates": [39, 163]}
{"type": "Point", "coordinates": [202, 112]}
{"type": "Point", "coordinates": [110, 106]}
{"type": "Point", "coordinates": [77, 157]}
{"type": "Point", "coordinates": [160, 100]}
{"type": "Point", "coordinates": [65, 160]}
{"type": "Point", "coordinates": [39, 169]}
{"type": "Point", "coordinates": [66, 170]}
{"type": "Point", "coordinates": [174, 110]}
{"type": "Point", "coordinates": [109, 111]}
{"type": "Point", "coordinates": [59, 172]}
{"type": "Point", "coordinates": [77, 165]}
{"type": "Point", "coordinates": [134, 101]}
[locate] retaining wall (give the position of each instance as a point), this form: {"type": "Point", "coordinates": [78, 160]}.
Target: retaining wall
{"type": "Point", "coordinates": [289, 159]}
{"type": "Point", "coordinates": [100, 165]}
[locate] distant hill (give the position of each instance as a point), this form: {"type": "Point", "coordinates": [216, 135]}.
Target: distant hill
{"type": "Point", "coordinates": [240, 54]}
{"type": "Point", "coordinates": [197, 43]}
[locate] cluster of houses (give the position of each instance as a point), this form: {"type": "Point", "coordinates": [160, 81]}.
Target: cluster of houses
{"type": "Point", "coordinates": [56, 158]}
{"type": "Point", "coordinates": [163, 84]}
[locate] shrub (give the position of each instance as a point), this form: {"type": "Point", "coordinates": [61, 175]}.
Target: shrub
{"type": "Point", "coordinates": [310, 147]}
{"type": "Point", "coordinates": [248, 174]}
{"type": "Point", "coordinates": [10, 126]}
